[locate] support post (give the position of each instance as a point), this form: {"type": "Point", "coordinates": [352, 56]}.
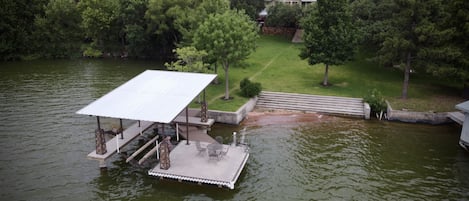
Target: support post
{"type": "Point", "coordinates": [121, 129]}
{"type": "Point", "coordinates": [203, 110]}
{"type": "Point", "coordinates": [157, 150]}
{"type": "Point", "coordinates": [177, 132]}
{"type": "Point", "coordinates": [187, 125]}
{"type": "Point", "coordinates": [102, 164]}
{"type": "Point", "coordinates": [117, 142]}
{"type": "Point", "coordinates": [140, 126]}
{"type": "Point", "coordinates": [100, 140]}
{"type": "Point", "coordinates": [234, 140]}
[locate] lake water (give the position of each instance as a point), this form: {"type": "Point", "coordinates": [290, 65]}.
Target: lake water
{"type": "Point", "coordinates": [44, 144]}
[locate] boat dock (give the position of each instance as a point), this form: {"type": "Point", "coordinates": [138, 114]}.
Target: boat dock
{"type": "Point", "coordinates": [163, 97]}
{"type": "Point", "coordinates": [116, 142]}
{"type": "Point", "coordinates": [187, 164]}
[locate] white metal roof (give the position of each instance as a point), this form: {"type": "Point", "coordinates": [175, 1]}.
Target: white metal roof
{"type": "Point", "coordinates": [156, 96]}
{"type": "Point", "coordinates": [464, 106]}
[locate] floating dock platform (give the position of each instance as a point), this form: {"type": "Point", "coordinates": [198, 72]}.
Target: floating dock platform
{"type": "Point", "coordinates": [187, 164]}
{"type": "Point", "coordinates": [117, 143]}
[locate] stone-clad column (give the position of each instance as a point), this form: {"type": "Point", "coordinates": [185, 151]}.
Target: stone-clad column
{"type": "Point", "coordinates": [100, 142]}
{"type": "Point", "coordinates": [203, 112]}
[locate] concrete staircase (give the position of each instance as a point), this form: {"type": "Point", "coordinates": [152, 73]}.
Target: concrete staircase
{"type": "Point", "coordinates": [312, 103]}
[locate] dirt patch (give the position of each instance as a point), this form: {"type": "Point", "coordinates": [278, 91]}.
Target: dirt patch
{"type": "Point", "coordinates": [285, 117]}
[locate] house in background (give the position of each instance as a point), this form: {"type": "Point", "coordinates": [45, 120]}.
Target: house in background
{"type": "Point", "coordinates": [291, 2]}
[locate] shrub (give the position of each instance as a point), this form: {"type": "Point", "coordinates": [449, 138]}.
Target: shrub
{"type": "Point", "coordinates": [281, 15]}
{"type": "Point", "coordinates": [250, 89]}
{"type": "Point", "coordinates": [376, 101]}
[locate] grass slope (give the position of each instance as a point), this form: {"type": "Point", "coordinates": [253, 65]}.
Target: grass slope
{"type": "Point", "coordinates": [277, 66]}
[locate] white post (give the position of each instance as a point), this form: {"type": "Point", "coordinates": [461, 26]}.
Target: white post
{"type": "Point", "coordinates": [177, 132]}
{"type": "Point", "coordinates": [117, 142]}
{"type": "Point", "coordinates": [242, 138]}
{"type": "Point", "coordinates": [140, 126]}
{"type": "Point", "coordinates": [234, 140]}
{"type": "Point", "coordinates": [157, 150]}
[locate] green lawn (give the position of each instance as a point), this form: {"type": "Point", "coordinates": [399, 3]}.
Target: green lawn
{"type": "Point", "coordinates": [277, 66]}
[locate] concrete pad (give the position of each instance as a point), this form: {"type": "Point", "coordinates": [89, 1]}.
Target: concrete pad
{"type": "Point", "coordinates": [188, 165]}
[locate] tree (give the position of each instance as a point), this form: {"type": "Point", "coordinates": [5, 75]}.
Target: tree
{"type": "Point", "coordinates": [329, 35]}
{"type": "Point", "coordinates": [229, 37]}
{"type": "Point", "coordinates": [174, 22]}
{"type": "Point", "coordinates": [133, 34]}
{"type": "Point", "coordinates": [189, 59]}
{"type": "Point", "coordinates": [412, 38]}
{"type": "Point", "coordinates": [369, 16]}
{"type": "Point", "coordinates": [59, 30]}
{"type": "Point", "coordinates": [250, 7]}
{"type": "Point", "coordinates": [282, 15]}
{"type": "Point", "coordinates": [450, 58]}
{"type": "Point", "coordinates": [16, 38]}
{"type": "Point", "coordinates": [101, 24]}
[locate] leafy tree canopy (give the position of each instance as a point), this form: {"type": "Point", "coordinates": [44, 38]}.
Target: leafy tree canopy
{"type": "Point", "coordinates": [229, 37]}
{"type": "Point", "coordinates": [329, 34]}
{"type": "Point", "coordinates": [282, 15]}
{"type": "Point", "coordinates": [250, 7]}
{"type": "Point", "coordinates": [189, 59]}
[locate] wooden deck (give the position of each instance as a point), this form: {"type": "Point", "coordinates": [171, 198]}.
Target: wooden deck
{"type": "Point", "coordinates": [188, 165]}
{"type": "Point", "coordinates": [129, 134]}
{"type": "Point", "coordinates": [196, 134]}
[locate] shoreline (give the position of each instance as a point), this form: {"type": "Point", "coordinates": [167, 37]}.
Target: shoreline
{"type": "Point", "coordinates": [286, 117]}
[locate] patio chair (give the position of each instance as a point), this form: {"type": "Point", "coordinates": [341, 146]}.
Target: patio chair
{"type": "Point", "coordinates": [224, 151]}
{"type": "Point", "coordinates": [200, 148]}
{"type": "Point", "coordinates": [219, 139]}
{"type": "Point", "coordinates": [214, 151]}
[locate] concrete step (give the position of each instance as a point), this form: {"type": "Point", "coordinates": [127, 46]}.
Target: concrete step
{"type": "Point", "coordinates": [278, 95]}
{"type": "Point", "coordinates": [311, 103]}
{"type": "Point", "coordinates": [313, 109]}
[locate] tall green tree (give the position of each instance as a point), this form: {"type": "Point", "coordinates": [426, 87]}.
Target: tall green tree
{"type": "Point", "coordinates": [162, 16]}
{"type": "Point", "coordinates": [101, 24]}
{"type": "Point", "coordinates": [251, 7]}
{"type": "Point", "coordinates": [174, 22]}
{"type": "Point", "coordinates": [450, 58]}
{"type": "Point", "coordinates": [133, 34]}
{"type": "Point", "coordinates": [229, 37]}
{"type": "Point", "coordinates": [329, 35]}
{"type": "Point", "coordinates": [282, 15]}
{"type": "Point", "coordinates": [412, 36]}
{"type": "Point", "coordinates": [59, 31]}
{"type": "Point", "coordinates": [189, 59]}
{"type": "Point", "coordinates": [369, 16]}
{"type": "Point", "coordinates": [16, 28]}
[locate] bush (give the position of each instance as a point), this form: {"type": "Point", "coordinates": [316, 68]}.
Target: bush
{"type": "Point", "coordinates": [281, 15]}
{"type": "Point", "coordinates": [250, 89]}
{"type": "Point", "coordinates": [376, 101]}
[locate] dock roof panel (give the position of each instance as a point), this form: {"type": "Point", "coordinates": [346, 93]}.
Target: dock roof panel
{"type": "Point", "coordinates": [464, 106]}
{"type": "Point", "coordinates": [156, 96]}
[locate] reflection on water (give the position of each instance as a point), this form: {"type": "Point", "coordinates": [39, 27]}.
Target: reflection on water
{"type": "Point", "coordinates": [44, 146]}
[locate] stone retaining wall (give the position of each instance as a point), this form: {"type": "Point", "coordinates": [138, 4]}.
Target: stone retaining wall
{"type": "Point", "coordinates": [228, 117]}
{"type": "Point", "coordinates": [233, 117]}
{"type": "Point", "coordinates": [417, 117]}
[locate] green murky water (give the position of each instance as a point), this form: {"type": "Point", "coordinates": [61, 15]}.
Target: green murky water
{"type": "Point", "coordinates": [44, 144]}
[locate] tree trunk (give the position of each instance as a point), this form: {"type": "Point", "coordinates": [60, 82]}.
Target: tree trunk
{"type": "Point", "coordinates": [406, 76]}
{"type": "Point", "coordinates": [326, 75]}
{"type": "Point", "coordinates": [227, 82]}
